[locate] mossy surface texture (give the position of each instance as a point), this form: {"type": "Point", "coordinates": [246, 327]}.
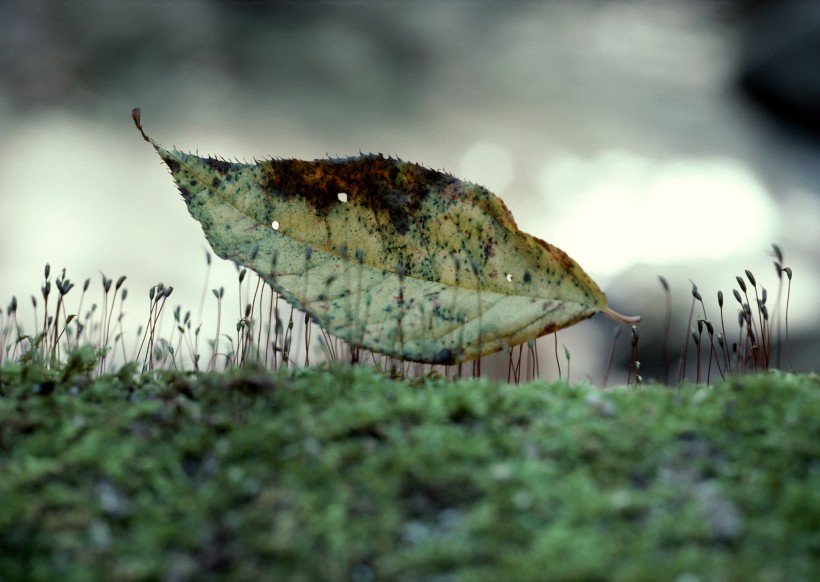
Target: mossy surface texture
{"type": "Point", "coordinates": [341, 473]}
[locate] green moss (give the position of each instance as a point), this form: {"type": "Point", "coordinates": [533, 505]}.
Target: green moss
{"type": "Point", "coordinates": [341, 473]}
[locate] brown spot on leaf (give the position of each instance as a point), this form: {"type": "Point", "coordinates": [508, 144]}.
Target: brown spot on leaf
{"type": "Point", "coordinates": [172, 164]}
{"type": "Point", "coordinates": [380, 184]}
{"type": "Point", "coordinates": [220, 166]}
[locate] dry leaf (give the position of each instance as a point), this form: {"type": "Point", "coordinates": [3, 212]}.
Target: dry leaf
{"type": "Point", "coordinates": [388, 255]}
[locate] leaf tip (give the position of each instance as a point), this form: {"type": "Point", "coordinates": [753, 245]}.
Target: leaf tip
{"type": "Point", "coordinates": [136, 115]}
{"type": "Point", "coordinates": [620, 318]}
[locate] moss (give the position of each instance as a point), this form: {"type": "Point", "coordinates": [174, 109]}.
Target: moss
{"type": "Point", "coordinates": [342, 473]}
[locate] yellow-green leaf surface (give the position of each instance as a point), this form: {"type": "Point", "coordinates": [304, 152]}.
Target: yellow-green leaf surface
{"type": "Point", "coordinates": [388, 255]}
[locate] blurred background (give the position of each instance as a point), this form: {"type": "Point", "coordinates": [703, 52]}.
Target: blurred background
{"type": "Point", "coordinates": [645, 138]}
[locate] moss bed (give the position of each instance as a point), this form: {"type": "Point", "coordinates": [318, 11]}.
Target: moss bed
{"type": "Point", "coordinates": [341, 473]}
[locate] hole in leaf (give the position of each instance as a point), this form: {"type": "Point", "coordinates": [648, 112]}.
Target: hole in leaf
{"type": "Point", "coordinates": [275, 225]}
{"type": "Point", "coordinates": [342, 196]}
{"type": "Point", "coordinates": [509, 278]}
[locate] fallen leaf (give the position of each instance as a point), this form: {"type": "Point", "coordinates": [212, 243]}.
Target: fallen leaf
{"type": "Point", "coordinates": [387, 255]}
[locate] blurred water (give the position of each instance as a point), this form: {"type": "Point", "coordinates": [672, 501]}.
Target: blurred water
{"type": "Point", "coordinates": [611, 129]}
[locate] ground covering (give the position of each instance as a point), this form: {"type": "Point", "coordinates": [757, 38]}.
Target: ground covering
{"type": "Point", "coordinates": [342, 473]}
